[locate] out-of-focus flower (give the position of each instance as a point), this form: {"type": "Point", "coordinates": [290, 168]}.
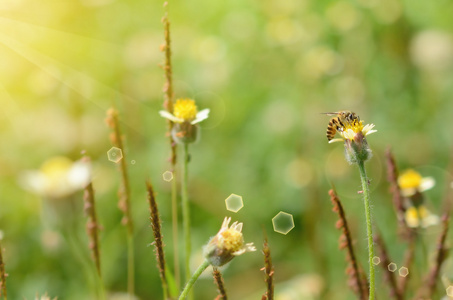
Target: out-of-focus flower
{"type": "Point", "coordinates": [58, 177]}
{"type": "Point", "coordinates": [227, 244]}
{"type": "Point", "coordinates": [353, 133]}
{"type": "Point", "coordinates": [410, 182]}
{"type": "Point", "coordinates": [185, 117]}
{"type": "Point", "coordinates": [420, 216]}
{"type": "Point", "coordinates": [44, 297]}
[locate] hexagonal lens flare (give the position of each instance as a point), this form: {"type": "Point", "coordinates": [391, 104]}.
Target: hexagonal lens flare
{"type": "Point", "coordinates": [167, 176]}
{"type": "Point", "coordinates": [283, 222]}
{"type": "Point", "coordinates": [115, 154]}
{"type": "Point", "coordinates": [234, 203]}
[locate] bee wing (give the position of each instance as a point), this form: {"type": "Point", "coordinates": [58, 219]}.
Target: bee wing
{"type": "Point", "coordinates": [330, 113]}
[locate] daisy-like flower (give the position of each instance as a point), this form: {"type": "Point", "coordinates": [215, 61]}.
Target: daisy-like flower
{"type": "Point", "coordinates": [227, 244]}
{"type": "Point", "coordinates": [353, 133]}
{"type": "Point", "coordinates": [420, 216]}
{"type": "Point", "coordinates": [411, 182]}
{"type": "Point", "coordinates": [185, 117]}
{"type": "Point", "coordinates": [58, 177]}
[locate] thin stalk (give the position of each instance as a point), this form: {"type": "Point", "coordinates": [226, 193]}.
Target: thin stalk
{"type": "Point", "coordinates": [158, 239]}
{"type": "Point", "coordinates": [186, 211]}
{"type": "Point", "coordinates": [130, 265]}
{"type": "Point", "coordinates": [193, 279]}
{"type": "Point", "coordinates": [174, 217]}
{"type": "Point", "coordinates": [220, 286]}
{"type": "Point", "coordinates": [168, 105]}
{"type": "Point", "coordinates": [124, 196]}
{"type": "Point", "coordinates": [366, 199]}
{"type": "Point", "coordinates": [2, 276]}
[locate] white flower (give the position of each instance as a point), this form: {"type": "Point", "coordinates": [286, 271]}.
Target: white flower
{"type": "Point", "coordinates": [227, 244]}
{"type": "Point", "coordinates": [57, 178]}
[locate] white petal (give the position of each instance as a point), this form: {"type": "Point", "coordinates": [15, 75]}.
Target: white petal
{"type": "Point", "coordinates": [335, 140]}
{"type": "Point", "coordinates": [430, 221]}
{"type": "Point", "coordinates": [79, 175]}
{"type": "Point", "coordinates": [170, 117]}
{"type": "Point", "coordinates": [370, 132]}
{"type": "Point", "coordinates": [239, 227]}
{"type": "Point", "coordinates": [201, 115]}
{"type": "Point", "coordinates": [33, 181]}
{"type": "Point", "coordinates": [426, 184]}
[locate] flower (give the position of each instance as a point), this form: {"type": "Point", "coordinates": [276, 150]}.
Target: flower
{"type": "Point", "coordinates": [411, 182]}
{"type": "Point", "coordinates": [185, 117]}
{"type": "Point", "coordinates": [420, 216]}
{"type": "Point", "coordinates": [185, 110]}
{"type": "Point", "coordinates": [58, 177]}
{"type": "Point", "coordinates": [354, 130]}
{"type": "Point", "coordinates": [227, 244]}
{"type": "Point", "coordinates": [353, 133]}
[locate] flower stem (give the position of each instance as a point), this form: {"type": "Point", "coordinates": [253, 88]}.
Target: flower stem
{"type": "Point", "coordinates": [193, 279]}
{"type": "Point", "coordinates": [174, 217]}
{"type": "Point", "coordinates": [186, 211]}
{"type": "Point", "coordinates": [130, 265]}
{"type": "Point", "coordinates": [366, 198]}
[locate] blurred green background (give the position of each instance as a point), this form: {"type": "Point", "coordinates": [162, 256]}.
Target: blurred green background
{"type": "Point", "coordinates": [267, 70]}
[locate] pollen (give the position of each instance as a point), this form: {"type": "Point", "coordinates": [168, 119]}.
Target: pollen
{"type": "Point", "coordinates": [409, 180]}
{"type": "Point", "coordinates": [185, 109]}
{"type": "Point", "coordinates": [355, 125]}
{"type": "Point", "coordinates": [232, 240]}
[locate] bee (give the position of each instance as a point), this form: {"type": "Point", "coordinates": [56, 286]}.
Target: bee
{"type": "Point", "coordinates": [337, 123]}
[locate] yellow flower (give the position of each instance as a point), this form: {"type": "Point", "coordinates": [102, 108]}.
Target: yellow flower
{"type": "Point", "coordinates": [185, 110]}
{"type": "Point", "coordinates": [227, 244]}
{"type": "Point", "coordinates": [410, 182]}
{"type": "Point", "coordinates": [351, 130]}
{"type": "Point", "coordinates": [58, 177]}
{"type": "Point", "coordinates": [353, 133]}
{"type": "Point", "coordinates": [420, 217]}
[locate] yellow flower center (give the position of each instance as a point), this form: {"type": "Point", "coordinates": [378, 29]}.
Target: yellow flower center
{"type": "Point", "coordinates": [185, 109]}
{"type": "Point", "coordinates": [56, 167]}
{"type": "Point", "coordinates": [355, 125]}
{"type": "Point", "coordinates": [409, 179]}
{"type": "Point", "coordinates": [232, 240]}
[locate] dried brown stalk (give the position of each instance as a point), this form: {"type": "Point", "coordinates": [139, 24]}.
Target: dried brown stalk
{"type": "Point", "coordinates": [268, 271]}
{"type": "Point", "coordinates": [124, 197]}
{"type": "Point", "coordinates": [124, 191]}
{"type": "Point", "coordinates": [220, 286]}
{"type": "Point", "coordinates": [385, 261]}
{"type": "Point", "coordinates": [398, 202]}
{"type": "Point", "coordinates": [168, 85]}
{"type": "Point", "coordinates": [168, 105]}
{"type": "Point", "coordinates": [3, 275]}
{"type": "Point", "coordinates": [158, 242]}
{"type": "Point", "coordinates": [427, 291]}
{"type": "Point", "coordinates": [356, 282]}
{"type": "Point", "coordinates": [92, 225]}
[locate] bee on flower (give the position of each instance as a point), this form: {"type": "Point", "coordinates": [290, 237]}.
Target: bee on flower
{"type": "Point", "coordinates": [352, 132]}
{"type": "Point", "coordinates": [227, 244]}
{"type": "Point", "coordinates": [58, 178]}
{"type": "Point", "coordinates": [185, 118]}
{"type": "Point", "coordinates": [412, 185]}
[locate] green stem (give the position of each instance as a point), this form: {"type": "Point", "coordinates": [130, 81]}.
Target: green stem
{"type": "Point", "coordinates": [174, 216]}
{"type": "Point", "coordinates": [186, 211]}
{"type": "Point", "coordinates": [130, 264]}
{"type": "Point", "coordinates": [366, 198]}
{"type": "Point", "coordinates": [193, 279]}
